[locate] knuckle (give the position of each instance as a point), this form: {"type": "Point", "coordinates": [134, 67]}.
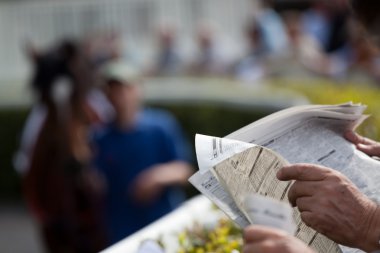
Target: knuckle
{"type": "Point", "coordinates": [328, 189]}
{"type": "Point", "coordinates": [247, 233]}
{"type": "Point", "coordinates": [342, 188]}
{"type": "Point", "coordinates": [309, 219]}
{"type": "Point", "coordinates": [268, 246]}
{"type": "Point", "coordinates": [324, 203]}
{"type": "Point", "coordinates": [246, 249]}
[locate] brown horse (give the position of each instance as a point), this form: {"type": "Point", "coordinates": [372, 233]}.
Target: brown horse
{"type": "Point", "coordinates": [58, 185]}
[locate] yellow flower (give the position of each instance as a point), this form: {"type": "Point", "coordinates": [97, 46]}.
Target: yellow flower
{"type": "Point", "coordinates": [199, 250]}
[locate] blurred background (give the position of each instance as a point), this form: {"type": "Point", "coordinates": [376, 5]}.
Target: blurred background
{"type": "Point", "coordinates": [213, 65]}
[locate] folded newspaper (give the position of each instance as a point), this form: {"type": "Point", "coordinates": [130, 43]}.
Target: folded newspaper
{"type": "Point", "coordinates": [244, 164]}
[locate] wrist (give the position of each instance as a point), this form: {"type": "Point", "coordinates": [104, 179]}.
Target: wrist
{"type": "Point", "coordinates": [165, 174]}
{"type": "Point", "coordinates": [372, 240]}
{"type": "Point", "coordinates": [174, 173]}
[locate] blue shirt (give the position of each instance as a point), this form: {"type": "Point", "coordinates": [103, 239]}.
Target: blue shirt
{"type": "Point", "coordinates": [168, 123]}
{"type": "Point", "coordinates": [121, 157]}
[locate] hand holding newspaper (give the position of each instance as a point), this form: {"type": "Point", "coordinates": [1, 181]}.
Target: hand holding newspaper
{"type": "Point", "coordinates": [245, 163]}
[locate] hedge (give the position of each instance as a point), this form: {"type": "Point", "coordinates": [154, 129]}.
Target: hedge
{"type": "Point", "coordinates": [329, 92]}
{"type": "Point", "coordinates": [205, 119]}
{"type": "Point", "coordinates": [209, 118]}
{"type": "Point", "coordinates": [11, 122]}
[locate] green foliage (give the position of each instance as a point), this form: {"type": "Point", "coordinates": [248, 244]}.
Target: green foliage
{"type": "Point", "coordinates": [225, 237]}
{"type": "Point", "coordinates": [328, 92]}
{"type": "Point", "coordinates": [11, 122]}
{"type": "Point", "coordinates": [211, 119]}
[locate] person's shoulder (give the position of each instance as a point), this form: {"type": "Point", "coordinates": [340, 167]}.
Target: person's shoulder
{"type": "Point", "coordinates": [154, 131]}
{"type": "Point", "coordinates": [156, 114]}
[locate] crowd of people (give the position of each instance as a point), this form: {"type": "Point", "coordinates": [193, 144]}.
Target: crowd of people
{"type": "Point", "coordinates": [97, 166]}
{"type": "Point", "coordinates": [323, 40]}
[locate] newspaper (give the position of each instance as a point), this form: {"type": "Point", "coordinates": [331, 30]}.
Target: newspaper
{"type": "Point", "coordinates": [311, 134]}
{"type": "Point", "coordinates": [270, 212]}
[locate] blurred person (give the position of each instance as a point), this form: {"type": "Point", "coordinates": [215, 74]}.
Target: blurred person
{"type": "Point", "coordinates": [315, 22]}
{"type": "Point", "coordinates": [359, 58]}
{"type": "Point", "coordinates": [60, 187]}
{"type": "Point", "coordinates": [361, 55]}
{"type": "Point", "coordinates": [103, 47]}
{"type": "Point", "coordinates": [338, 11]}
{"type": "Point", "coordinates": [304, 50]}
{"type": "Point", "coordinates": [168, 60]}
{"type": "Point", "coordinates": [251, 67]}
{"type": "Point", "coordinates": [326, 21]}
{"type": "Point", "coordinates": [138, 159]}
{"type": "Point", "coordinates": [208, 60]}
{"type": "Point", "coordinates": [169, 124]}
{"type": "Point", "coordinates": [272, 28]}
{"type": "Point", "coordinates": [303, 47]}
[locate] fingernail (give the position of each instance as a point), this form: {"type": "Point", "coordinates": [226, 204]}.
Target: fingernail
{"type": "Point", "coordinates": [360, 145]}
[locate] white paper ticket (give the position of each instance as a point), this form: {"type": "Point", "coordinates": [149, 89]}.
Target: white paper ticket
{"type": "Point", "coordinates": [269, 212]}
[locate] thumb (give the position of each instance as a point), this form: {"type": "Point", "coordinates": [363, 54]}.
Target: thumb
{"type": "Point", "coordinates": [370, 150]}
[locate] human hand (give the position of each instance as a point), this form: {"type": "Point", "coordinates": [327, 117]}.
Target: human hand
{"type": "Point", "coordinates": [261, 239]}
{"type": "Point", "coordinates": [332, 205]}
{"type": "Point", "coordinates": [148, 186]}
{"type": "Point", "coordinates": [368, 146]}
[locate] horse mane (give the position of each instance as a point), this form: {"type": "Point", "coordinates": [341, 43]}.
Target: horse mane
{"type": "Point", "coordinates": [51, 171]}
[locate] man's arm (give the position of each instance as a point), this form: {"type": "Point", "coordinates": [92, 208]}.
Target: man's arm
{"type": "Point", "coordinates": [151, 182]}
{"type": "Point", "coordinates": [332, 205]}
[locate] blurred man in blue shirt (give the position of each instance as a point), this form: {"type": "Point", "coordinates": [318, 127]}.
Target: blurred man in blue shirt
{"type": "Point", "coordinates": [138, 157]}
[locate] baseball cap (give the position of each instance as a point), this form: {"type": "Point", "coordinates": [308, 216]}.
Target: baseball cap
{"type": "Point", "coordinates": [126, 74]}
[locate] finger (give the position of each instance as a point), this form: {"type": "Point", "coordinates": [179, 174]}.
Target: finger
{"type": "Point", "coordinates": [251, 248]}
{"type": "Point", "coordinates": [301, 189]}
{"type": "Point", "coordinates": [356, 138]}
{"type": "Point", "coordinates": [257, 233]}
{"type": "Point", "coordinates": [351, 136]}
{"type": "Point", "coordinates": [369, 149]}
{"type": "Point", "coordinates": [303, 172]}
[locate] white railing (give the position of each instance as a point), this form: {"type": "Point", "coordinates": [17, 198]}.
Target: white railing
{"type": "Point", "coordinates": [46, 21]}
